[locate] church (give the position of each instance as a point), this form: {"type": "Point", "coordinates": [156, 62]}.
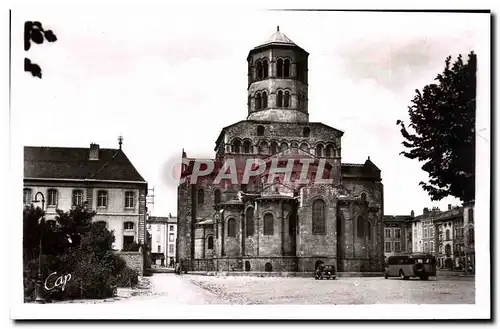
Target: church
{"type": "Point", "coordinates": [274, 224]}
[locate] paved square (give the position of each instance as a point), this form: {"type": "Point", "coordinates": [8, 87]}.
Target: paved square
{"type": "Point", "coordinates": [374, 290]}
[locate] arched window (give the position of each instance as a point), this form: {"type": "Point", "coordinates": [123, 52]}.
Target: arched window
{"type": "Point", "coordinates": [201, 196]}
{"type": "Point", "coordinates": [279, 67]}
{"type": "Point", "coordinates": [217, 196]}
{"type": "Point", "coordinates": [247, 145]}
{"type": "Point", "coordinates": [264, 100]}
{"type": "Point", "coordinates": [319, 150]}
{"type": "Point", "coordinates": [237, 146]}
{"type": "Point", "coordinates": [448, 235]}
{"type": "Point", "coordinates": [279, 99]}
{"type": "Point", "coordinates": [283, 146]}
{"type": "Point", "coordinates": [247, 266]}
{"type": "Point", "coordinates": [295, 145]}
{"type": "Point", "coordinates": [268, 267]}
{"type": "Point", "coordinates": [329, 151]}
{"type": "Point", "coordinates": [286, 69]}
{"type": "Point", "coordinates": [360, 227]}
{"type": "Point", "coordinates": [304, 102]}
{"type": "Point", "coordinates": [259, 70]}
{"type": "Point", "coordinates": [286, 99]}
{"type": "Point", "coordinates": [318, 217]}
{"type": "Point", "coordinates": [263, 147]}
{"type": "Point", "coordinates": [268, 224]}
{"type": "Point", "coordinates": [231, 228]}
{"type": "Point", "coordinates": [369, 233]}
{"type": "Point", "coordinates": [258, 101]}
{"type": "Point", "coordinates": [249, 221]}
{"type": "Point", "coordinates": [306, 132]}
{"type": "Point", "coordinates": [265, 68]}
{"type": "Point", "coordinates": [304, 147]}
{"type": "Point", "coordinates": [363, 197]}
{"type": "Point", "coordinates": [260, 131]}
{"type": "Point", "coordinates": [274, 147]}
{"type": "Point", "coordinates": [210, 242]}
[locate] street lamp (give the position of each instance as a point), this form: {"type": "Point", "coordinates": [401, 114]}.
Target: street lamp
{"type": "Point", "coordinates": [39, 293]}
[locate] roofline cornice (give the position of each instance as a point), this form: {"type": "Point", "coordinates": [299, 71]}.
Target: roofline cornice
{"type": "Point", "coordinates": [85, 180]}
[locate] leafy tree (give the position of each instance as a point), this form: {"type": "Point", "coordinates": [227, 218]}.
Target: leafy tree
{"type": "Point", "coordinates": [33, 31]}
{"type": "Point", "coordinates": [443, 121]}
{"type": "Point", "coordinates": [74, 224]}
{"type": "Point", "coordinates": [77, 246]}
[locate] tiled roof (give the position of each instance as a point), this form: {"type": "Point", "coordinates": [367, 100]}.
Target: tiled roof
{"type": "Point", "coordinates": [74, 163]}
{"type": "Point", "coordinates": [278, 38]}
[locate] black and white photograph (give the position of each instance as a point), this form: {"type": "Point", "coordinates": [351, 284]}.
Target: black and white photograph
{"type": "Point", "coordinates": [210, 161]}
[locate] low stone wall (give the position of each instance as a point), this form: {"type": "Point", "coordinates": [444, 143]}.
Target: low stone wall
{"type": "Point", "coordinates": [134, 260]}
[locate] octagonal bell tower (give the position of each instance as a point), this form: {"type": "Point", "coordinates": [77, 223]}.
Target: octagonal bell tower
{"type": "Point", "coordinates": [277, 81]}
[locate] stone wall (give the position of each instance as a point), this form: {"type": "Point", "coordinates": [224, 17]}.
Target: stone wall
{"type": "Point", "coordinates": [134, 260]}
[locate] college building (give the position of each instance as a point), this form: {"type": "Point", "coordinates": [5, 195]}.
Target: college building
{"type": "Point", "coordinates": [103, 180]}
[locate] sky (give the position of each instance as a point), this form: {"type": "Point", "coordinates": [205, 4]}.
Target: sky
{"type": "Point", "coordinates": [171, 79]}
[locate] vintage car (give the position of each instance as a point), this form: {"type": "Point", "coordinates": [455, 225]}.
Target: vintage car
{"type": "Point", "coordinates": [325, 271]}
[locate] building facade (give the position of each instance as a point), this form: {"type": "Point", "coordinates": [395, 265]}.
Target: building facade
{"type": "Point", "coordinates": [469, 237]}
{"type": "Point", "coordinates": [103, 180]}
{"type": "Point", "coordinates": [449, 226]}
{"type": "Point", "coordinates": [397, 235]}
{"type": "Point", "coordinates": [162, 240]}
{"type": "Point", "coordinates": [269, 225]}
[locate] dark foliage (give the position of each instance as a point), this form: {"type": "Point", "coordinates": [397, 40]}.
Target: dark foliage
{"type": "Point", "coordinates": [34, 32]}
{"type": "Point", "coordinates": [73, 246]}
{"type": "Point", "coordinates": [443, 120]}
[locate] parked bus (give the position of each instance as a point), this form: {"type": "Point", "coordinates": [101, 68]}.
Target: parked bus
{"type": "Point", "coordinates": [412, 265]}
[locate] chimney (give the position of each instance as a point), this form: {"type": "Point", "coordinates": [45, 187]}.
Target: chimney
{"type": "Point", "coordinates": [412, 213]}
{"type": "Point", "coordinates": [426, 211]}
{"type": "Point", "coordinates": [94, 152]}
{"type": "Point", "coordinates": [449, 206]}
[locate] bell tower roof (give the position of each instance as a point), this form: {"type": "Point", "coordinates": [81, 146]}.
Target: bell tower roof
{"type": "Point", "coordinates": [278, 38]}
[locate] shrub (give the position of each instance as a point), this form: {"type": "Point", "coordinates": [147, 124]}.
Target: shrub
{"type": "Point", "coordinates": [75, 247]}
{"type": "Point", "coordinates": [127, 277]}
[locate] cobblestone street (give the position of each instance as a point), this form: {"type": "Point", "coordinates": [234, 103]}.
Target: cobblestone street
{"type": "Point", "coordinates": [196, 290]}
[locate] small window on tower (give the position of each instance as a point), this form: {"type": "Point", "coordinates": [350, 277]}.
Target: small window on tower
{"type": "Point", "coordinates": [286, 100]}
{"type": "Point", "coordinates": [259, 70]}
{"type": "Point", "coordinates": [258, 103]}
{"type": "Point", "coordinates": [265, 68]}
{"type": "Point", "coordinates": [264, 100]}
{"type": "Point", "coordinates": [279, 67]}
{"type": "Point", "coordinates": [286, 69]}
